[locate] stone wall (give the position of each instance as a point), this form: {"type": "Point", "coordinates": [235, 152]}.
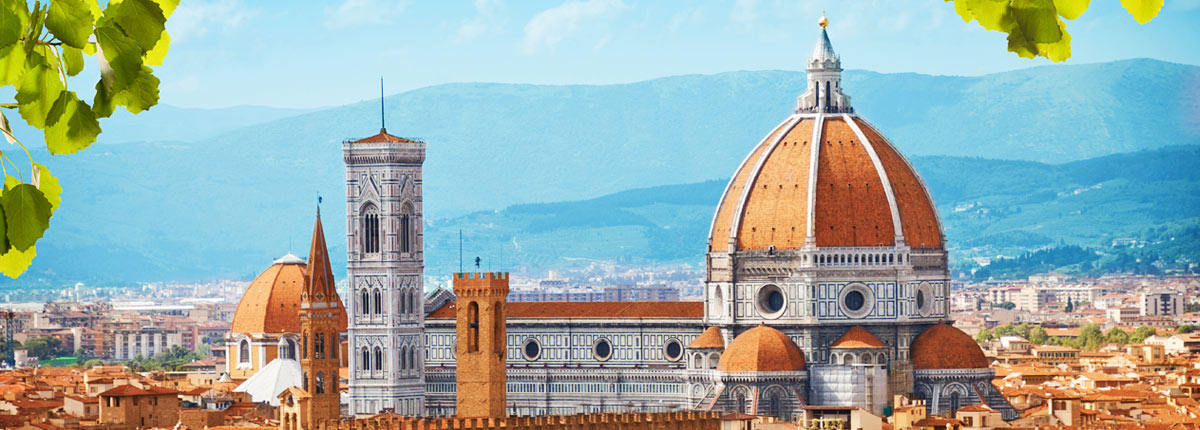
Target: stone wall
{"type": "Point", "coordinates": [623, 421]}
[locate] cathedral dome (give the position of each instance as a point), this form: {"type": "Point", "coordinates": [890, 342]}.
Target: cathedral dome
{"type": "Point", "coordinates": [858, 337]}
{"type": "Point", "coordinates": [762, 349]}
{"type": "Point", "coordinates": [826, 177]}
{"type": "Point", "coordinates": [945, 347]}
{"type": "Point", "coordinates": [710, 339]}
{"type": "Point", "coordinates": [271, 304]}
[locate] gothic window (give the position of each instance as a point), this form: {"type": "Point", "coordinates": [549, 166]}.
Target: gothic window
{"type": "Point", "coordinates": [366, 359]}
{"type": "Point", "coordinates": [304, 382]}
{"type": "Point", "coordinates": [364, 304]}
{"type": "Point", "coordinates": [244, 352]}
{"type": "Point", "coordinates": [404, 358]}
{"type": "Point", "coordinates": [370, 229]}
{"type": "Point", "coordinates": [412, 357]}
{"type": "Point", "coordinates": [378, 302]}
{"type": "Point", "coordinates": [826, 93]}
{"type": "Point", "coordinates": [402, 304]}
{"type": "Point", "coordinates": [378, 358]}
{"type": "Point", "coordinates": [473, 327]}
{"type": "Point", "coordinates": [319, 347]}
{"type": "Point", "coordinates": [411, 300]}
{"type": "Point", "coordinates": [320, 382]}
{"type": "Point", "coordinates": [405, 229]}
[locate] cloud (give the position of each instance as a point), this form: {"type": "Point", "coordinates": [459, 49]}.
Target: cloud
{"type": "Point", "coordinates": [195, 18]}
{"type": "Point", "coordinates": [487, 19]}
{"type": "Point", "coordinates": [551, 26]}
{"type": "Point", "coordinates": [360, 12]}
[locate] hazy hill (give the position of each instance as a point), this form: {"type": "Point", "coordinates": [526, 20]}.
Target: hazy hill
{"type": "Point", "coordinates": [174, 205]}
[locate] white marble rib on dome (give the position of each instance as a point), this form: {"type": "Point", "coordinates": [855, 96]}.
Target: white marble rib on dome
{"type": "Point", "coordinates": [266, 384]}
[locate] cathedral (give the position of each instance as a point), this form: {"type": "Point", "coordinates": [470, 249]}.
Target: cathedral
{"type": "Point", "coordinates": [826, 286]}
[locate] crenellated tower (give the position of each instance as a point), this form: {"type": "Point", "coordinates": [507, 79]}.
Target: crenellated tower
{"type": "Point", "coordinates": [386, 265]}
{"type": "Point", "coordinates": [482, 343]}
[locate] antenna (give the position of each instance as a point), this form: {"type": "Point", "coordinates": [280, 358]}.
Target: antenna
{"type": "Point", "coordinates": [382, 121]}
{"type": "Point", "coordinates": [460, 270]}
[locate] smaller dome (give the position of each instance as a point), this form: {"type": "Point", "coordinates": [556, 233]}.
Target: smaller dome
{"type": "Point", "coordinates": [945, 347]}
{"type": "Point", "coordinates": [710, 339]}
{"type": "Point", "coordinates": [761, 349]}
{"type": "Point", "coordinates": [858, 337]}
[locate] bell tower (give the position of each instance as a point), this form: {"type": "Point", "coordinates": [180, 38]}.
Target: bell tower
{"type": "Point", "coordinates": [482, 343]}
{"type": "Point", "coordinates": [386, 264]}
{"type": "Point", "coordinates": [319, 332]}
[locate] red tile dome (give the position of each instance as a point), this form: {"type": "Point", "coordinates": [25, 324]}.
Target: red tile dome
{"type": "Point", "coordinates": [271, 304]}
{"type": "Point", "coordinates": [945, 347]}
{"type": "Point", "coordinates": [761, 349]}
{"type": "Point", "coordinates": [845, 179]}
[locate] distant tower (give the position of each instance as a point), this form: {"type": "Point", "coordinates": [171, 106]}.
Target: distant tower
{"type": "Point", "coordinates": [386, 264]}
{"type": "Point", "coordinates": [482, 345]}
{"type": "Point", "coordinates": [319, 336]}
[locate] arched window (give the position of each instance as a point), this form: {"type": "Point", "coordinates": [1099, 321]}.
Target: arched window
{"type": "Point", "coordinates": [498, 341]}
{"type": "Point", "coordinates": [473, 327]}
{"type": "Point", "coordinates": [304, 346]}
{"type": "Point", "coordinates": [366, 359]}
{"type": "Point", "coordinates": [320, 382]}
{"type": "Point", "coordinates": [335, 343]}
{"type": "Point", "coordinates": [404, 358]}
{"type": "Point", "coordinates": [412, 295]}
{"type": "Point", "coordinates": [405, 229]}
{"type": "Point", "coordinates": [304, 382]}
{"type": "Point", "coordinates": [244, 352]}
{"type": "Point", "coordinates": [370, 229]}
{"type": "Point", "coordinates": [954, 401]}
{"type": "Point", "coordinates": [287, 349]}
{"type": "Point", "coordinates": [378, 302]}
{"type": "Point", "coordinates": [378, 358]}
{"type": "Point", "coordinates": [412, 358]}
{"type": "Point", "coordinates": [319, 347]}
{"type": "Point", "coordinates": [827, 94]}
{"type": "Point", "coordinates": [365, 304]}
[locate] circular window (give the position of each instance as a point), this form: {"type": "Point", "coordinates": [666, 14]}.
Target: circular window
{"type": "Point", "coordinates": [602, 350]}
{"type": "Point", "coordinates": [770, 301]}
{"type": "Point", "coordinates": [857, 300]}
{"type": "Point", "coordinates": [673, 350]}
{"type": "Point", "coordinates": [854, 300]}
{"type": "Point", "coordinates": [924, 299]}
{"type": "Point", "coordinates": [531, 350]}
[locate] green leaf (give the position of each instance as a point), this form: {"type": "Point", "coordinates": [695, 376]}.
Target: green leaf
{"type": "Point", "coordinates": [73, 60]}
{"type": "Point", "coordinates": [155, 56]}
{"type": "Point", "coordinates": [1071, 9]}
{"type": "Point", "coordinates": [141, 20]}
{"type": "Point", "coordinates": [13, 263]}
{"type": "Point", "coordinates": [12, 65]}
{"type": "Point", "coordinates": [26, 215]}
{"type": "Point", "coordinates": [48, 185]}
{"type": "Point", "coordinates": [1143, 10]}
{"type": "Point", "coordinates": [1019, 45]}
{"type": "Point", "coordinates": [5, 128]}
{"type": "Point", "coordinates": [123, 56]}
{"type": "Point", "coordinates": [103, 103]}
{"type": "Point", "coordinates": [70, 21]}
{"type": "Point", "coordinates": [10, 25]}
{"type": "Point", "coordinates": [4, 245]}
{"type": "Point", "coordinates": [39, 88]}
{"type": "Point", "coordinates": [992, 14]}
{"type": "Point", "coordinates": [1057, 51]}
{"type": "Point", "coordinates": [964, 12]}
{"type": "Point", "coordinates": [1037, 20]}
{"type": "Point", "coordinates": [167, 6]}
{"type": "Point", "coordinates": [73, 125]}
{"type": "Point", "coordinates": [141, 94]}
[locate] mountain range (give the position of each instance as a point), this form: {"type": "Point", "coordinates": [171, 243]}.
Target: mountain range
{"type": "Point", "coordinates": [178, 194]}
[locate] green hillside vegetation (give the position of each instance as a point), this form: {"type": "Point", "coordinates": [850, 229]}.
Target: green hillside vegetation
{"type": "Point", "coordinates": [191, 205]}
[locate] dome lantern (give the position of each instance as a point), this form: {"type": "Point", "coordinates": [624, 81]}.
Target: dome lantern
{"type": "Point", "coordinates": [824, 91]}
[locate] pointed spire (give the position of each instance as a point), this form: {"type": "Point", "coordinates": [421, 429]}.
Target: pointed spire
{"type": "Point", "coordinates": [320, 273]}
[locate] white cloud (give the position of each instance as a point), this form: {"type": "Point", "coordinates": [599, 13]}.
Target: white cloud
{"type": "Point", "coordinates": [551, 26]}
{"type": "Point", "coordinates": [488, 18]}
{"type": "Point", "coordinates": [360, 12]}
{"type": "Point", "coordinates": [195, 18]}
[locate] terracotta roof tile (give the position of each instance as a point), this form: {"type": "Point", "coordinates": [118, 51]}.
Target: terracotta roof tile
{"type": "Point", "coordinates": [711, 338]}
{"type": "Point", "coordinates": [945, 347]}
{"type": "Point", "coordinates": [858, 337]}
{"type": "Point", "coordinates": [590, 310]}
{"type": "Point", "coordinates": [384, 137]}
{"type": "Point", "coordinates": [761, 349]}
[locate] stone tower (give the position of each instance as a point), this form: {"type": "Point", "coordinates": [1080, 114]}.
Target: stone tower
{"type": "Point", "coordinates": [482, 345]}
{"type": "Point", "coordinates": [386, 264]}
{"type": "Point", "coordinates": [320, 334]}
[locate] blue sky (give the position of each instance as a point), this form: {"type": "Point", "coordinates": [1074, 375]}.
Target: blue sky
{"type": "Point", "coordinates": [307, 54]}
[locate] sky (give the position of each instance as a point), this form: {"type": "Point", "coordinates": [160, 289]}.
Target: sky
{"type": "Point", "coordinates": [307, 54]}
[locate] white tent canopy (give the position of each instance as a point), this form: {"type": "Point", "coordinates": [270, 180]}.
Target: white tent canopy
{"type": "Point", "coordinates": [266, 384]}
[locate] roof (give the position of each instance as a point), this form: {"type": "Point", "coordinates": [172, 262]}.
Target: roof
{"type": "Point", "coordinates": [711, 338]}
{"type": "Point", "coordinates": [608, 310]}
{"type": "Point", "coordinates": [266, 384]}
{"type": "Point", "coordinates": [761, 349]}
{"type": "Point", "coordinates": [132, 390]}
{"type": "Point", "coordinates": [858, 337]}
{"type": "Point", "coordinates": [769, 199]}
{"type": "Point", "coordinates": [944, 347]}
{"type": "Point", "coordinates": [384, 137]}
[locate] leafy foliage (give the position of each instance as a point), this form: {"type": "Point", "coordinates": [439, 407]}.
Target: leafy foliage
{"type": "Point", "coordinates": [40, 47]}
{"type": "Point", "coordinates": [1035, 27]}
{"type": "Point", "coordinates": [168, 360]}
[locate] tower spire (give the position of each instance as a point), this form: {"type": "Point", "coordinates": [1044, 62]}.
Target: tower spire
{"type": "Point", "coordinates": [824, 93]}
{"type": "Point", "coordinates": [320, 273]}
{"type": "Point", "coordinates": [382, 117]}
